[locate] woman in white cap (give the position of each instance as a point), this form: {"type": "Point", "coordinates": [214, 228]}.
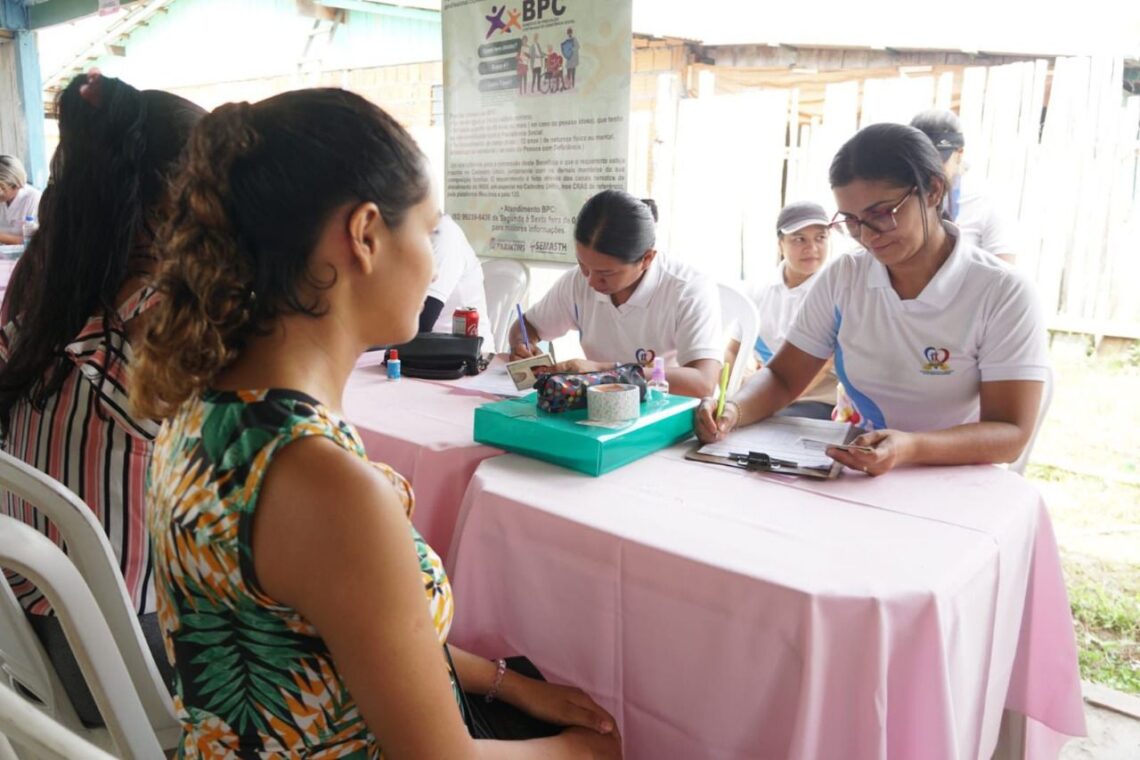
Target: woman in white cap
{"type": "Point", "coordinates": [18, 200]}
{"type": "Point", "coordinates": [982, 221]}
{"type": "Point", "coordinates": [803, 240]}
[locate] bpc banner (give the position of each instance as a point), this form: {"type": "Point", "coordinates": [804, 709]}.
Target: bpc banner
{"type": "Point", "coordinates": [536, 104]}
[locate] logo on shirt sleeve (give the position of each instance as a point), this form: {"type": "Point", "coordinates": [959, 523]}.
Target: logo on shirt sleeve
{"type": "Point", "coordinates": [937, 361]}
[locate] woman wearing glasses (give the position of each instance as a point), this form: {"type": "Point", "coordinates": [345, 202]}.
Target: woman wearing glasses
{"type": "Point", "coordinates": [941, 347]}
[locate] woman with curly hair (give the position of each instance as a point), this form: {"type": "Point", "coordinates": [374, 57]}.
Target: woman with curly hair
{"type": "Point", "coordinates": [70, 319]}
{"type": "Point", "coordinates": [291, 583]}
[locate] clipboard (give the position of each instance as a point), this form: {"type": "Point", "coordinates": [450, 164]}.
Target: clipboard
{"type": "Point", "coordinates": [773, 445]}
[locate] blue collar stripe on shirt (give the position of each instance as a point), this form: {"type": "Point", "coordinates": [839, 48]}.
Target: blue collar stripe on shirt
{"type": "Point", "coordinates": [867, 408]}
{"type": "Point", "coordinates": [763, 350]}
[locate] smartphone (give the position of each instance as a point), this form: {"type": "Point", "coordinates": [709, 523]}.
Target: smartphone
{"type": "Point", "coordinates": [813, 445]}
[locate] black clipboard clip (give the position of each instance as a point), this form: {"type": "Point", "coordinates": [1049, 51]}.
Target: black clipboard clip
{"type": "Point", "coordinates": [758, 460]}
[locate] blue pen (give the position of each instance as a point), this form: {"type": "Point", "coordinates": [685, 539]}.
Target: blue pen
{"type": "Point", "coordinates": [522, 326]}
{"type": "Point", "coordinates": [577, 321]}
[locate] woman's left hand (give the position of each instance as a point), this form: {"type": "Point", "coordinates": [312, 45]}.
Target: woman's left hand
{"type": "Point", "coordinates": [561, 705]}
{"type": "Point", "coordinates": [890, 449]}
{"type": "Point", "coordinates": [579, 366]}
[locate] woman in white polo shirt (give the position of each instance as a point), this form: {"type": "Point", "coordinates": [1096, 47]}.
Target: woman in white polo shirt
{"type": "Point", "coordinates": [18, 200]}
{"type": "Point", "coordinates": [804, 242]}
{"type": "Point", "coordinates": [624, 297]}
{"type": "Point", "coordinates": [940, 346]}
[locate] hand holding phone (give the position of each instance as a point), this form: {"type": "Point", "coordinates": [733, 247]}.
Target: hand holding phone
{"type": "Point", "coordinates": [812, 444]}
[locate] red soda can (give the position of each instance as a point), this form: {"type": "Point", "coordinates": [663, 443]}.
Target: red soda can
{"type": "Point", "coordinates": [465, 321]}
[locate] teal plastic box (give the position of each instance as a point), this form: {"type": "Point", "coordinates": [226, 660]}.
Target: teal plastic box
{"type": "Point", "coordinates": [518, 425]}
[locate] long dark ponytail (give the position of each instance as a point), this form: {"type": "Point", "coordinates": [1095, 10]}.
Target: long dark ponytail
{"type": "Point", "coordinates": [116, 146]}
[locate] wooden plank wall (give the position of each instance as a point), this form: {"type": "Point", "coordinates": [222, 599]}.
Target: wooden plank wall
{"type": "Point", "coordinates": [405, 91]}
{"type": "Point", "coordinates": [721, 147]}
{"type": "Point", "coordinates": [1057, 143]}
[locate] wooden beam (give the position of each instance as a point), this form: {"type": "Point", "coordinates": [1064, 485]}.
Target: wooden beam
{"type": "Point", "coordinates": [382, 9]}
{"type": "Point", "coordinates": [32, 97]}
{"type": "Point", "coordinates": [61, 11]}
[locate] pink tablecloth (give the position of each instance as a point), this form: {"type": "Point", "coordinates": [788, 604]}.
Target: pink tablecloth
{"type": "Point", "coordinates": [725, 614]}
{"type": "Point", "coordinates": [423, 430]}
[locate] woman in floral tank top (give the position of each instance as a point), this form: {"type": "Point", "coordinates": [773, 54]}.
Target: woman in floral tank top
{"type": "Point", "coordinates": [303, 614]}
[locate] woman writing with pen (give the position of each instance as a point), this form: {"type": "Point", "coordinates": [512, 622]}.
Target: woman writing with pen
{"type": "Point", "coordinates": [628, 302]}
{"type": "Point", "coordinates": [940, 346]}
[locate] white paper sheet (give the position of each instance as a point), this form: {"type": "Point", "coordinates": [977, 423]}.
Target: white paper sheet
{"type": "Point", "coordinates": [782, 438]}
{"type": "Point", "coordinates": [493, 380]}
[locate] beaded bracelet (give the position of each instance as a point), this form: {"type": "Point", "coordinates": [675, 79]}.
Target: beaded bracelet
{"type": "Point", "coordinates": [736, 406]}
{"type": "Point", "coordinates": [500, 671]}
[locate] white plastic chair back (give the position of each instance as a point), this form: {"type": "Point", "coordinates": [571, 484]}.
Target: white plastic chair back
{"type": "Point", "coordinates": [23, 660]}
{"type": "Point", "coordinates": [30, 553]}
{"type": "Point", "coordinates": [505, 281]}
{"type": "Point", "coordinates": [38, 734]}
{"type": "Point", "coordinates": [91, 553]}
{"type": "Point", "coordinates": [1019, 464]}
{"type": "Point", "coordinates": [737, 309]}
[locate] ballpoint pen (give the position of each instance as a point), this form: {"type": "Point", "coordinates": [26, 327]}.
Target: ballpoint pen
{"type": "Point", "coordinates": [522, 326]}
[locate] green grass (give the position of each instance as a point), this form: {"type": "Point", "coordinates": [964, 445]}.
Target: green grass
{"type": "Point", "coordinates": [1085, 464]}
{"type": "Point", "coordinates": [1106, 611]}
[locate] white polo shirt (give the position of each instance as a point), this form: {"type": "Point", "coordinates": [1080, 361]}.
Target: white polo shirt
{"type": "Point", "coordinates": [984, 222]}
{"type": "Point", "coordinates": [458, 278]}
{"type": "Point", "coordinates": [776, 307]}
{"type": "Point", "coordinates": [674, 312]}
{"type": "Point", "coordinates": [27, 201]}
{"type": "Point", "coordinates": [916, 365]}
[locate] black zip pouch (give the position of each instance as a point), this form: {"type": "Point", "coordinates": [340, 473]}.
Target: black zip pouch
{"type": "Point", "coordinates": [440, 356]}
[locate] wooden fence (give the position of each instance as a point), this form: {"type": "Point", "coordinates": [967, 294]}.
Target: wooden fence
{"type": "Point", "coordinates": [1056, 142]}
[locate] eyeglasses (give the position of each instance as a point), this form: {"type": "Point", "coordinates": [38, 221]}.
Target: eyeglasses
{"type": "Point", "coordinates": [878, 221]}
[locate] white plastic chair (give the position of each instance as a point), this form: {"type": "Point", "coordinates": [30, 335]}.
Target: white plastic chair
{"type": "Point", "coordinates": [505, 282]}
{"type": "Point", "coordinates": [38, 734]}
{"type": "Point", "coordinates": [737, 309]}
{"type": "Point", "coordinates": [92, 555]}
{"type": "Point", "coordinates": [30, 553]}
{"type": "Point", "coordinates": [1018, 465]}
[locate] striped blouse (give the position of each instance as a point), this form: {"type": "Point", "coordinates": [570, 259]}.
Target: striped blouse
{"type": "Point", "coordinates": [86, 438]}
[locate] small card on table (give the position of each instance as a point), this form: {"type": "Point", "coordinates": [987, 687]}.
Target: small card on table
{"type": "Point", "coordinates": [521, 372]}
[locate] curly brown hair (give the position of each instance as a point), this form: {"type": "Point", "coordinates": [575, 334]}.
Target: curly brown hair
{"type": "Point", "coordinates": [259, 185]}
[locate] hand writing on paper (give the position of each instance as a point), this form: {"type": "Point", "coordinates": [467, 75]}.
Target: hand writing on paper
{"type": "Point", "coordinates": [707, 427]}
{"type": "Point", "coordinates": [520, 350]}
{"type": "Point", "coordinates": [889, 451]}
